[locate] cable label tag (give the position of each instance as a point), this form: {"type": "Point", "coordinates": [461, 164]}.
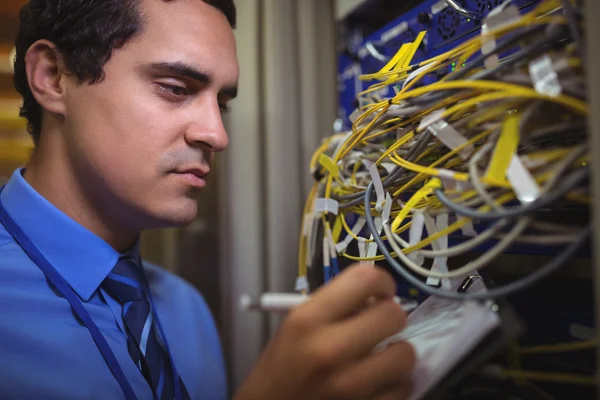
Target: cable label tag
{"type": "Point", "coordinates": [415, 234]}
{"type": "Point", "coordinates": [358, 226]}
{"type": "Point", "coordinates": [438, 7]}
{"type": "Point", "coordinates": [524, 184]}
{"type": "Point", "coordinates": [362, 247]}
{"type": "Point", "coordinates": [326, 206]}
{"type": "Point", "coordinates": [544, 76]}
{"type": "Point", "coordinates": [499, 17]}
{"type": "Point", "coordinates": [451, 138]}
{"type": "Point", "coordinates": [372, 251]}
{"type": "Point", "coordinates": [399, 57]}
{"type": "Point", "coordinates": [301, 284]}
{"type": "Point", "coordinates": [440, 264]}
{"type": "Point", "coordinates": [431, 118]}
{"type": "Point", "coordinates": [413, 49]}
{"type": "Point", "coordinates": [354, 116]}
{"type": "Point", "coordinates": [372, 246]}
{"type": "Point", "coordinates": [504, 151]}
{"type": "Point", "coordinates": [329, 165]}
{"type": "Point", "coordinates": [395, 31]}
{"type": "Point", "coordinates": [448, 178]}
{"type": "Point", "coordinates": [378, 186]}
{"type": "Point", "coordinates": [387, 210]}
{"type": "Point", "coordinates": [468, 229]}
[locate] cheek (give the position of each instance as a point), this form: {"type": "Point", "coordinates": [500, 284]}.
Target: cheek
{"type": "Point", "coordinates": [123, 134]}
{"type": "Point", "coordinates": [121, 147]}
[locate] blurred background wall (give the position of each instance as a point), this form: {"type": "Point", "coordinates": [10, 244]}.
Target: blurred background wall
{"type": "Point", "coordinates": [244, 239]}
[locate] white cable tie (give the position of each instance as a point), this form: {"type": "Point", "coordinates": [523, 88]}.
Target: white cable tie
{"type": "Point", "coordinates": [301, 284]}
{"type": "Point", "coordinates": [544, 76]}
{"type": "Point", "coordinates": [431, 118]}
{"type": "Point", "coordinates": [387, 209]}
{"type": "Point", "coordinates": [326, 205]}
{"type": "Point", "coordinates": [415, 234]}
{"type": "Point", "coordinates": [450, 137]}
{"type": "Point", "coordinates": [376, 179]}
{"type": "Point", "coordinates": [525, 186]}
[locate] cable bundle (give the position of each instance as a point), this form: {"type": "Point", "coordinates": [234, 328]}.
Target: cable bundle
{"type": "Point", "coordinates": [482, 151]}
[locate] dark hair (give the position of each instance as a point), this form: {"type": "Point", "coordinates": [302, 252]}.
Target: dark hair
{"type": "Point", "coordinates": [85, 33]}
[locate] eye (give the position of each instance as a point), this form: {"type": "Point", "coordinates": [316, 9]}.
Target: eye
{"type": "Point", "coordinates": [173, 92]}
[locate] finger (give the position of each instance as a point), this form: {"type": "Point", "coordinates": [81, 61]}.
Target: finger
{"type": "Point", "coordinates": [349, 291]}
{"type": "Point", "coordinates": [357, 336]}
{"type": "Point", "coordinates": [376, 374]}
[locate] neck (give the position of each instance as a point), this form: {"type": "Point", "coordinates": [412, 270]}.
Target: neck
{"type": "Point", "coordinates": [51, 174]}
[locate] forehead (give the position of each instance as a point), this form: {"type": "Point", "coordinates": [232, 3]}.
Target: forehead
{"type": "Point", "coordinates": [188, 31]}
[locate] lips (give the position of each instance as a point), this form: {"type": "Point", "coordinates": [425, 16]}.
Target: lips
{"type": "Point", "coordinates": [194, 176]}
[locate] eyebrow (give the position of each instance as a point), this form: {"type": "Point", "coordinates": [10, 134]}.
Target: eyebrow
{"type": "Point", "coordinates": [186, 71]}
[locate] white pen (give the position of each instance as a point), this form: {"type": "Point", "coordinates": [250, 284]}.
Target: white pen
{"type": "Point", "coordinates": [280, 302]}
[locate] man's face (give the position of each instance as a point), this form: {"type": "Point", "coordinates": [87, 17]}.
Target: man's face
{"type": "Point", "coordinates": [142, 140]}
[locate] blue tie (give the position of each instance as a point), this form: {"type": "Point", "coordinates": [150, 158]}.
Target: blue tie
{"type": "Point", "coordinates": [126, 284]}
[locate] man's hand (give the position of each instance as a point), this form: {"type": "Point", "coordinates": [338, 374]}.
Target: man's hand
{"type": "Point", "coordinates": [324, 348]}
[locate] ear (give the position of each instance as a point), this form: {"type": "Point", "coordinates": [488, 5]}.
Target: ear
{"type": "Point", "coordinates": [46, 76]}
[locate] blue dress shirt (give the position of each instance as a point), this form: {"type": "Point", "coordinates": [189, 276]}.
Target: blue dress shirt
{"type": "Point", "coordinates": [47, 353]}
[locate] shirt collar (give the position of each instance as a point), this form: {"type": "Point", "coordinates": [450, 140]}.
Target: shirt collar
{"type": "Point", "coordinates": [78, 255]}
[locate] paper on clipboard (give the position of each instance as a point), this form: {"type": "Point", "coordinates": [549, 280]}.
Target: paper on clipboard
{"type": "Point", "coordinates": [443, 332]}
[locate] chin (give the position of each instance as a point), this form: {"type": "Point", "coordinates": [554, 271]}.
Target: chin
{"type": "Point", "coordinates": [175, 217]}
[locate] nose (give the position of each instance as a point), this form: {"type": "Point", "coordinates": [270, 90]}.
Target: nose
{"type": "Point", "coordinates": [207, 129]}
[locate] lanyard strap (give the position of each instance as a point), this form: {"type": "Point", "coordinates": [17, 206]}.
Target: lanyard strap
{"type": "Point", "coordinates": [163, 338]}
{"type": "Point", "coordinates": [63, 287]}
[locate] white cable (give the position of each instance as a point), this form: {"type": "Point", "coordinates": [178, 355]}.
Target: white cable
{"type": "Point", "coordinates": [461, 248]}
{"type": "Point", "coordinates": [468, 268]}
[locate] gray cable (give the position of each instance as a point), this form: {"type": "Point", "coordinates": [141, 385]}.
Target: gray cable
{"type": "Point", "coordinates": [506, 290]}
{"type": "Point", "coordinates": [470, 267]}
{"type": "Point", "coordinates": [539, 47]}
{"type": "Point", "coordinates": [356, 198]}
{"type": "Point", "coordinates": [574, 29]}
{"type": "Point", "coordinates": [567, 185]}
{"type": "Point", "coordinates": [461, 248]}
{"type": "Point", "coordinates": [476, 179]}
{"type": "Point", "coordinates": [463, 11]}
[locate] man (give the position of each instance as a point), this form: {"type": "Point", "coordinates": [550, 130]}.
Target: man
{"type": "Point", "coordinates": [124, 101]}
